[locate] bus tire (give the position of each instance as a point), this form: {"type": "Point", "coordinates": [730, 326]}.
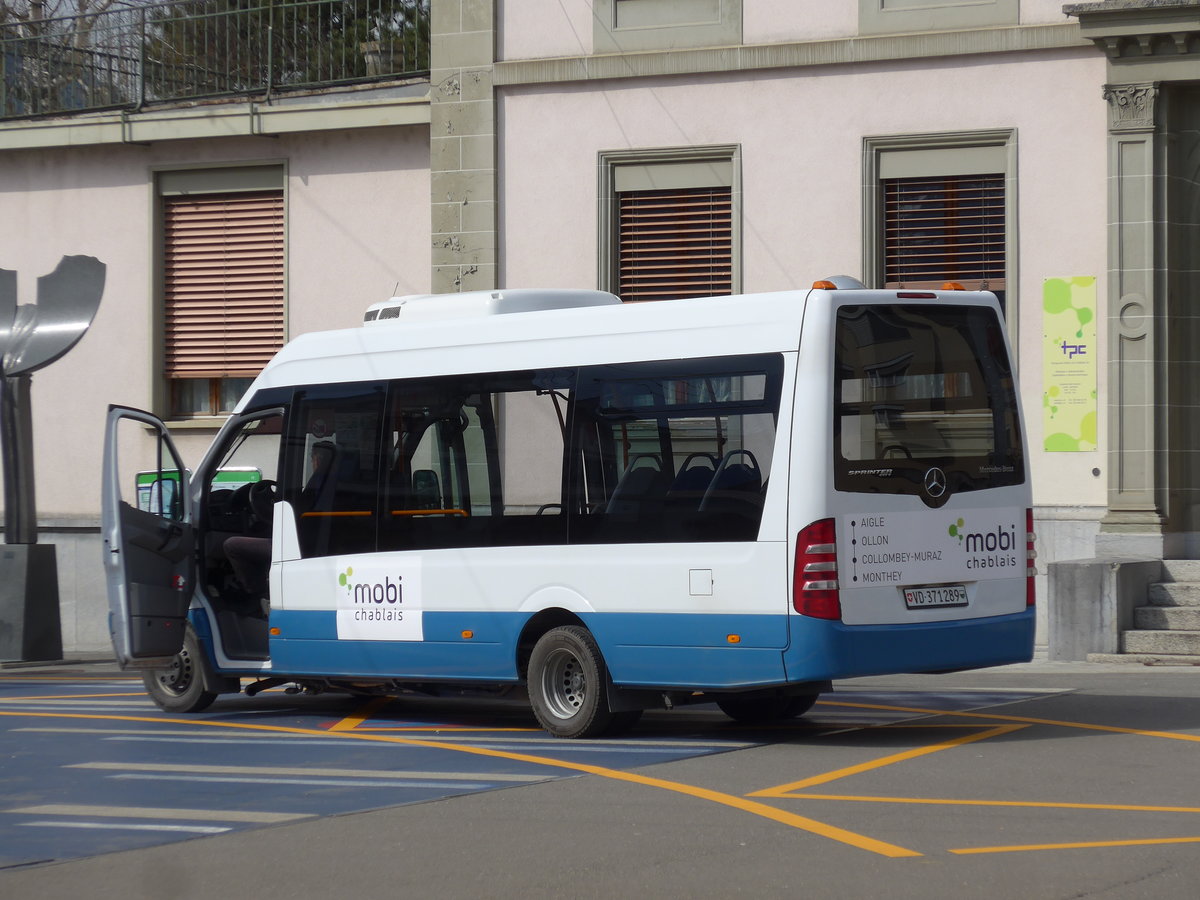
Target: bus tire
{"type": "Point", "coordinates": [758, 709]}
{"type": "Point", "coordinates": [568, 685]}
{"type": "Point", "coordinates": [179, 687]}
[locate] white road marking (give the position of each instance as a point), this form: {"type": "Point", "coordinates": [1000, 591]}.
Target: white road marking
{"type": "Point", "coordinates": [556, 744]}
{"type": "Point", "coordinates": [161, 732]}
{"type": "Point", "coordinates": [154, 812]}
{"type": "Point", "coordinates": [127, 826]}
{"type": "Point", "coordinates": [193, 736]}
{"type": "Point", "coordinates": [258, 742]}
{"type": "Point", "coordinates": [310, 782]}
{"type": "Point", "coordinates": [302, 772]}
{"type": "Point", "coordinates": [73, 706]}
{"type": "Point", "coordinates": [546, 740]}
{"type": "Point", "coordinates": [82, 700]}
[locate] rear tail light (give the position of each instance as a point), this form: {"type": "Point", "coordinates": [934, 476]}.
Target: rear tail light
{"type": "Point", "coordinates": [815, 576]}
{"type": "Point", "coordinates": [1030, 556]}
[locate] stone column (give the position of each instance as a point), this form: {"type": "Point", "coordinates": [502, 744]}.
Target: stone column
{"type": "Point", "coordinates": [462, 146]}
{"type": "Point", "coordinates": [1136, 317]}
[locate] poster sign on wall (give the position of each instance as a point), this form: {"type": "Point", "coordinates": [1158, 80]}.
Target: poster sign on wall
{"type": "Point", "coordinates": [1069, 364]}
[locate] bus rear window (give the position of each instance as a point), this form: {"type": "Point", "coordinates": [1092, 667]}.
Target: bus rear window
{"type": "Point", "coordinates": [922, 387]}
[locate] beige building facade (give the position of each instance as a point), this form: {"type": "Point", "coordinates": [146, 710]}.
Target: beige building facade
{"type": "Point", "coordinates": [780, 141]}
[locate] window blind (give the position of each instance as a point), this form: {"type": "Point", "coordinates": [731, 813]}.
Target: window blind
{"type": "Point", "coordinates": [223, 283]}
{"type": "Point", "coordinates": [948, 228]}
{"type": "Point", "coordinates": [675, 243]}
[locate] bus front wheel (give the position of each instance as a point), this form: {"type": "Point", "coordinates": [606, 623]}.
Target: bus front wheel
{"type": "Point", "coordinates": [179, 687]}
{"type": "Point", "coordinates": [568, 686]}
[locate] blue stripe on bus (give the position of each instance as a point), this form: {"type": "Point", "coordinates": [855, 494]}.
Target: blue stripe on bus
{"type": "Point", "coordinates": [691, 650]}
{"type": "Point", "coordinates": [822, 649]}
{"type": "Point", "coordinates": [308, 645]}
{"type": "Point", "coordinates": [657, 649]}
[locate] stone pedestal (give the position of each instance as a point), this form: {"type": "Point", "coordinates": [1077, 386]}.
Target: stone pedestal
{"type": "Point", "coordinates": [1092, 601]}
{"type": "Point", "coordinates": [29, 621]}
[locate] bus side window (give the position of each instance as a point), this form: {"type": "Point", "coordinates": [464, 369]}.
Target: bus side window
{"type": "Point", "coordinates": [332, 467]}
{"type": "Point", "coordinates": [475, 461]}
{"type": "Point", "coordinates": [426, 496]}
{"type": "Point", "coordinates": [674, 451]}
{"type": "Point", "coordinates": [531, 459]}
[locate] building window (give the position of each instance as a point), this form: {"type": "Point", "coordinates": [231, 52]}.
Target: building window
{"type": "Point", "coordinates": [895, 16]}
{"type": "Point", "coordinates": [675, 244]}
{"type": "Point", "coordinates": [941, 208]}
{"type": "Point", "coordinates": [670, 224]}
{"type": "Point", "coordinates": [624, 25]}
{"type": "Point", "coordinates": [222, 284]}
{"type": "Point", "coordinates": [948, 228]}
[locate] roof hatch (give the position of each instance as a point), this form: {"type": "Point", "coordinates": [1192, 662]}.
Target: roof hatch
{"type": "Point", "coordinates": [472, 304]}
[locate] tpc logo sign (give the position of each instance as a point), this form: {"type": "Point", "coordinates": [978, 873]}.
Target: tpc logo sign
{"type": "Point", "coordinates": [1070, 351]}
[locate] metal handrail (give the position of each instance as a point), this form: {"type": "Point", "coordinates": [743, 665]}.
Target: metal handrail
{"type": "Point", "coordinates": [130, 56]}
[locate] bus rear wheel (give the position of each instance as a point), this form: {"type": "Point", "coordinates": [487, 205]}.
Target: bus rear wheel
{"type": "Point", "coordinates": [179, 687]}
{"type": "Point", "coordinates": [568, 686]}
{"type": "Point", "coordinates": [770, 708]}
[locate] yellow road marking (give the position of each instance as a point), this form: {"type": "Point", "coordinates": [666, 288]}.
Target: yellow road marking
{"type": "Point", "coordinates": [364, 712]}
{"type": "Point", "coordinates": [1028, 720]}
{"type": "Point", "coordinates": [71, 697]}
{"type": "Point", "coordinates": [447, 728]}
{"type": "Point", "coordinates": [1017, 722]}
{"type": "Point", "coordinates": [785, 790]}
{"type": "Point", "coordinates": [1082, 845]}
{"type": "Point", "coordinates": [934, 801]}
{"type": "Point", "coordinates": [354, 721]}
{"type": "Point", "coordinates": [812, 826]}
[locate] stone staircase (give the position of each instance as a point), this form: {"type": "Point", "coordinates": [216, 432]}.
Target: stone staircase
{"type": "Point", "coordinates": [1167, 629]}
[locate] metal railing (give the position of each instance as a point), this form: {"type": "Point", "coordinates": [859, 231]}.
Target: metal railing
{"type": "Point", "coordinates": [129, 56]}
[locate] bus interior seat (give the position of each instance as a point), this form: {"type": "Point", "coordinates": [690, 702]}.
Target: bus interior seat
{"type": "Point", "coordinates": [426, 490]}
{"type": "Point", "coordinates": [736, 486]}
{"type": "Point", "coordinates": [694, 476]}
{"type": "Point", "coordinates": [643, 484]}
{"type": "Point", "coordinates": [318, 491]}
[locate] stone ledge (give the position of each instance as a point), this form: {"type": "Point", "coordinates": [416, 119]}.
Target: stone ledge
{"type": "Point", "coordinates": [797, 54]}
{"type": "Point", "coordinates": [1144, 659]}
{"type": "Point", "coordinates": [238, 118]}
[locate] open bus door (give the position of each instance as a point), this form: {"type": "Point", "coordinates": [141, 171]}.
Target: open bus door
{"type": "Point", "coordinates": [149, 541]}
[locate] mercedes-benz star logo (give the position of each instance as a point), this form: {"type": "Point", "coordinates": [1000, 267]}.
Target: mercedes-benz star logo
{"type": "Point", "coordinates": [935, 482]}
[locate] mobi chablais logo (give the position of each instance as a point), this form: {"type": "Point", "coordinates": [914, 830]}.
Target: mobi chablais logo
{"type": "Point", "coordinates": [990, 549]}
{"type": "Point", "coordinates": [956, 529]}
{"type": "Point", "coordinates": [373, 601]}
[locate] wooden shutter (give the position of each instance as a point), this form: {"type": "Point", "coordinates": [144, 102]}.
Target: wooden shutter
{"type": "Point", "coordinates": [223, 283]}
{"type": "Point", "coordinates": [949, 228]}
{"type": "Point", "coordinates": [675, 243]}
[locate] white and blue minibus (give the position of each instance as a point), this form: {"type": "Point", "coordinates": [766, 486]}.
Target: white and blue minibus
{"type": "Point", "coordinates": [609, 506]}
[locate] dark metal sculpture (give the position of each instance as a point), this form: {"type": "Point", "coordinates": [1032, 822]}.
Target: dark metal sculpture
{"type": "Point", "coordinates": [32, 337]}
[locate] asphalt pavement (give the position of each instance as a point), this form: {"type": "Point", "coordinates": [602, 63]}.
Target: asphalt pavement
{"type": "Point", "coordinates": [1042, 780]}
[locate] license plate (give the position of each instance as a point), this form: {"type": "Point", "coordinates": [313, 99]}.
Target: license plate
{"type": "Point", "coordinates": [935, 595]}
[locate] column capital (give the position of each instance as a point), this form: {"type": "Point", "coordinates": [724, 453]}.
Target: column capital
{"type": "Point", "coordinates": [1131, 106]}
